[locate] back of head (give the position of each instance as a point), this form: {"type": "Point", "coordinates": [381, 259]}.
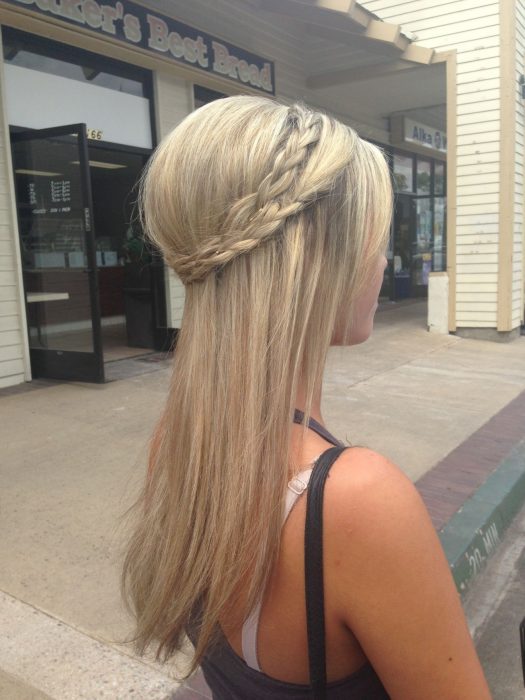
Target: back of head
{"type": "Point", "coordinates": [238, 171]}
{"type": "Point", "coordinates": [273, 217]}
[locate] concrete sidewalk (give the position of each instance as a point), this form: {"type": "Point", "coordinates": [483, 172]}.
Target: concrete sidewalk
{"type": "Point", "coordinates": [74, 457]}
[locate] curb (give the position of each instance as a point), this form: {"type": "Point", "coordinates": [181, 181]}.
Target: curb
{"type": "Point", "coordinates": [43, 658]}
{"type": "Point", "coordinates": [13, 688]}
{"type": "Point", "coordinates": [472, 535]}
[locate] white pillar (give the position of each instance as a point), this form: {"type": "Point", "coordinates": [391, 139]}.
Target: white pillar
{"type": "Point", "coordinates": [173, 101]}
{"type": "Point", "coordinates": [438, 302]}
{"type": "Point", "coordinates": [14, 346]}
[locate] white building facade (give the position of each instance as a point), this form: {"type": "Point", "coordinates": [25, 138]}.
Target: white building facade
{"type": "Point", "coordinates": [437, 86]}
{"type": "Point", "coordinates": [486, 42]}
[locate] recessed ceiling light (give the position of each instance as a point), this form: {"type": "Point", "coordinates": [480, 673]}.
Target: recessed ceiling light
{"type": "Point", "coordinates": [23, 171]}
{"type": "Point", "coordinates": [100, 164]}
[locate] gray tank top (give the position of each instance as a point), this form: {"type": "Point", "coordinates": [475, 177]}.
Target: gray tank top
{"type": "Point", "coordinates": [229, 677]}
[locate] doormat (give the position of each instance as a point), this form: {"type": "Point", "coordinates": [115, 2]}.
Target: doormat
{"type": "Point", "coordinates": [126, 369]}
{"type": "Point", "coordinates": [156, 357]}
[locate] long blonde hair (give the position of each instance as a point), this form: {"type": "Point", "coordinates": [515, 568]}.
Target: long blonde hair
{"type": "Point", "coordinates": [273, 217]}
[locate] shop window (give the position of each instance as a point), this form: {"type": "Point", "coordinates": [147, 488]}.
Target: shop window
{"type": "Point", "coordinates": [48, 84]}
{"type": "Point", "coordinates": [403, 173]}
{"type": "Point", "coordinates": [202, 95]}
{"type": "Point", "coordinates": [423, 176]}
{"type": "Point", "coordinates": [439, 178]}
{"type": "Point", "coordinates": [35, 53]}
{"type": "Point", "coordinates": [440, 213]}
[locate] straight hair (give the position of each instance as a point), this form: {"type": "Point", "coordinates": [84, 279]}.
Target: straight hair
{"type": "Point", "coordinates": [273, 217]}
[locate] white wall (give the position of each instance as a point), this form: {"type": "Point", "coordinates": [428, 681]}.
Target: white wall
{"type": "Point", "coordinates": [173, 101]}
{"type": "Point", "coordinates": [473, 29]}
{"type": "Point", "coordinates": [239, 23]}
{"type": "Point", "coordinates": [518, 286]}
{"type": "Point", "coordinates": [67, 101]}
{"type": "Point", "coordinates": [14, 361]}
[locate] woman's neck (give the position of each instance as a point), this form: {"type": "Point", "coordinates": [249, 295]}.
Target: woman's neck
{"type": "Point", "coordinates": [300, 402]}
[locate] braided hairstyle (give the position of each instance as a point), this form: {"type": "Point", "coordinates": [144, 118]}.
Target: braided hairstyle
{"type": "Point", "coordinates": [299, 166]}
{"type": "Point", "coordinates": [258, 215]}
{"type": "Point", "coordinates": [273, 217]}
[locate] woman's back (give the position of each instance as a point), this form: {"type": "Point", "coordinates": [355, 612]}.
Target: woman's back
{"type": "Point", "coordinates": [281, 665]}
{"type": "Point", "coordinates": [394, 585]}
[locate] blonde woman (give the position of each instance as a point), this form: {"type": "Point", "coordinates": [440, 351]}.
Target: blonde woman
{"type": "Point", "coordinates": [276, 219]}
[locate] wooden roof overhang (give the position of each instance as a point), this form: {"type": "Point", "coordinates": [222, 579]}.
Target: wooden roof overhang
{"type": "Point", "coordinates": [346, 22]}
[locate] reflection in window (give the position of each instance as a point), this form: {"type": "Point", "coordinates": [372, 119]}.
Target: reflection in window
{"type": "Point", "coordinates": [31, 52]}
{"type": "Point", "coordinates": [439, 178]}
{"type": "Point", "coordinates": [403, 173]}
{"type": "Point", "coordinates": [202, 95]}
{"type": "Point", "coordinates": [439, 234]}
{"type": "Point", "coordinates": [422, 252]}
{"type": "Point", "coordinates": [423, 176]}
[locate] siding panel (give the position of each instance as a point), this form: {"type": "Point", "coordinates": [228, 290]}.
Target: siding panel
{"type": "Point", "coordinates": [518, 280]}
{"type": "Point", "coordinates": [473, 30]}
{"type": "Point", "coordinates": [11, 379]}
{"type": "Point", "coordinates": [13, 356]}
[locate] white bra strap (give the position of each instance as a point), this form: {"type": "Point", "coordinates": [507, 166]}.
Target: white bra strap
{"type": "Point", "coordinates": [249, 630]}
{"type": "Point", "coordinates": [296, 487]}
{"type": "Point", "coordinates": [249, 638]}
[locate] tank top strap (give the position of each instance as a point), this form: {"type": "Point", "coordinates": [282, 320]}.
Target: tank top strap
{"type": "Point", "coordinates": [317, 428]}
{"type": "Point", "coordinates": [296, 487]}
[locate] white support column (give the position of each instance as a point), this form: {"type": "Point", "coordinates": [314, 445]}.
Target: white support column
{"type": "Point", "coordinates": [14, 346]}
{"type": "Point", "coordinates": [438, 302]}
{"type": "Point", "coordinates": [173, 102]}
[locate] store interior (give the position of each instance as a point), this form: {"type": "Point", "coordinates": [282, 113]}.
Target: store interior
{"type": "Point", "coordinates": [51, 195]}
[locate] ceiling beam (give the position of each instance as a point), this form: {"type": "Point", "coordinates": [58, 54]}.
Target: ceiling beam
{"type": "Point", "coordinates": [324, 13]}
{"type": "Point", "coordinates": [351, 23]}
{"type": "Point", "coordinates": [334, 5]}
{"type": "Point", "coordinates": [386, 33]}
{"type": "Point", "coordinates": [350, 8]}
{"type": "Point", "coordinates": [356, 75]}
{"type": "Point", "coordinates": [418, 54]}
{"type": "Point", "coordinates": [356, 40]}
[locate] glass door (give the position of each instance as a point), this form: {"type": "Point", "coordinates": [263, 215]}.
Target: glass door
{"type": "Point", "coordinates": [402, 254]}
{"type": "Point", "coordinates": [440, 219]}
{"type": "Point", "coordinates": [422, 246]}
{"type": "Point", "coordinates": [55, 218]}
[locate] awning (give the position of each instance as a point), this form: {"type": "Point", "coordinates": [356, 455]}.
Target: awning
{"type": "Point", "coordinates": [361, 66]}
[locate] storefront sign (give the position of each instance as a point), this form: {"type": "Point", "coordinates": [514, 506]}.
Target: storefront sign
{"type": "Point", "coordinates": [409, 132]}
{"type": "Point", "coordinates": [416, 132]}
{"type": "Point", "coordinates": [134, 25]}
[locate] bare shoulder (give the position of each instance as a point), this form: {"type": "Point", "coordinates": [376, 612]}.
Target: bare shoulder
{"type": "Point", "coordinates": [365, 483]}
{"type": "Point", "coordinates": [375, 519]}
{"type": "Point", "coordinates": [391, 585]}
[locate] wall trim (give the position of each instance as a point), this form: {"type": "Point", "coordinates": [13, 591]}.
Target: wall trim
{"type": "Point", "coordinates": [13, 214]}
{"type": "Point", "coordinates": [522, 309]}
{"type": "Point", "coordinates": [507, 160]}
{"type": "Point", "coordinates": [450, 60]}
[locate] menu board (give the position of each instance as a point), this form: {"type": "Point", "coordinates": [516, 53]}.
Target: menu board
{"type": "Point", "coordinates": [48, 195]}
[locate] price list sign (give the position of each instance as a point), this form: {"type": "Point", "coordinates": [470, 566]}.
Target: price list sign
{"type": "Point", "coordinates": [49, 196]}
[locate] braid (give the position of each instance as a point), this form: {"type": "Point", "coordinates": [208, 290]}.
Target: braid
{"type": "Point", "coordinates": [256, 217]}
